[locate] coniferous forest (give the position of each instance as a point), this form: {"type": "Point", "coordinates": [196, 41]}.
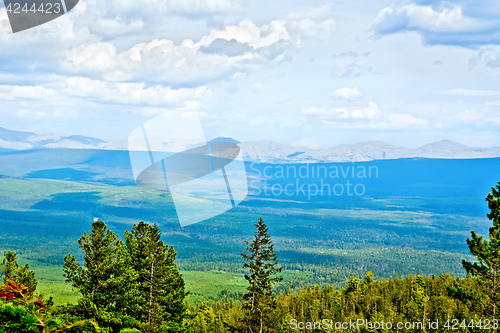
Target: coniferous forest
{"type": "Point", "coordinates": [134, 285]}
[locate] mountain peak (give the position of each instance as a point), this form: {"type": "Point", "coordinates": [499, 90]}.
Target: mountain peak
{"type": "Point", "coordinates": [444, 144]}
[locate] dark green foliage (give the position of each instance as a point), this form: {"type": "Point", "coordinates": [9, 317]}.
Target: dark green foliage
{"type": "Point", "coordinates": [487, 266]}
{"type": "Point", "coordinates": [17, 319]}
{"type": "Point", "coordinates": [135, 285]}
{"type": "Point", "coordinates": [396, 300]}
{"type": "Point", "coordinates": [160, 302]}
{"type": "Point", "coordinates": [262, 262]}
{"type": "Point", "coordinates": [130, 330]}
{"type": "Point", "coordinates": [23, 310]}
{"type": "Point", "coordinates": [105, 279]}
{"type": "Point", "coordinates": [21, 275]}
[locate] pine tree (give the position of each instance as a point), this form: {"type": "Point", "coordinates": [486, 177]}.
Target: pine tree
{"type": "Point", "coordinates": [104, 279]}
{"type": "Point", "coordinates": [487, 266]}
{"type": "Point", "coordinates": [419, 297]}
{"type": "Point", "coordinates": [262, 263]}
{"type": "Point", "coordinates": [21, 275]}
{"type": "Point", "coordinates": [161, 287]}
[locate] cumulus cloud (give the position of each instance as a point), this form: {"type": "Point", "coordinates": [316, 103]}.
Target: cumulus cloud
{"type": "Point", "coordinates": [487, 56]}
{"type": "Point", "coordinates": [131, 93]}
{"type": "Point", "coordinates": [413, 17]}
{"type": "Point", "coordinates": [366, 117]}
{"type": "Point", "coordinates": [234, 48]}
{"type": "Point", "coordinates": [68, 97]}
{"type": "Point", "coordinates": [444, 24]}
{"type": "Point", "coordinates": [10, 92]}
{"type": "Point", "coordinates": [247, 32]}
{"type": "Point", "coordinates": [159, 60]}
{"type": "Point", "coordinates": [162, 60]}
{"type": "Point", "coordinates": [347, 93]}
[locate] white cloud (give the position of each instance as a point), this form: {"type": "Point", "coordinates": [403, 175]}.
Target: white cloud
{"type": "Point", "coordinates": [96, 57]}
{"type": "Point", "coordinates": [370, 112]}
{"type": "Point", "coordinates": [444, 25]}
{"type": "Point", "coordinates": [487, 56]}
{"type": "Point", "coordinates": [4, 22]}
{"type": "Point", "coordinates": [107, 57]}
{"type": "Point", "coordinates": [444, 19]}
{"type": "Point", "coordinates": [122, 93]}
{"type": "Point", "coordinates": [163, 60]}
{"type": "Point", "coordinates": [347, 93]}
{"type": "Point", "coordinates": [158, 60]}
{"type": "Point", "coordinates": [189, 109]}
{"type": "Point", "coordinates": [9, 92]}
{"type": "Point", "coordinates": [76, 97]}
{"type": "Point", "coordinates": [370, 117]}
{"type": "Point", "coordinates": [131, 93]}
{"type": "Point", "coordinates": [247, 32]}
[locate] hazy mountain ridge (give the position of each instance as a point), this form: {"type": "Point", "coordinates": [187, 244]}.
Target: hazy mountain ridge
{"type": "Point", "coordinates": [272, 152]}
{"type": "Point", "coordinates": [267, 151]}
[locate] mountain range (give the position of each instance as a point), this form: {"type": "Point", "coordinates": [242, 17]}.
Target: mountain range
{"type": "Point", "coordinates": [266, 151]}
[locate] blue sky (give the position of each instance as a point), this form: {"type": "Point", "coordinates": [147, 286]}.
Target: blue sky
{"type": "Point", "coordinates": [308, 73]}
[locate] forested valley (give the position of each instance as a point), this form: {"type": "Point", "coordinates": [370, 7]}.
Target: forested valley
{"type": "Point", "coordinates": [134, 285]}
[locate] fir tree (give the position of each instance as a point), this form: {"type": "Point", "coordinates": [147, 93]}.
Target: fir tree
{"type": "Point", "coordinates": [161, 287]}
{"type": "Point", "coordinates": [262, 263]}
{"type": "Point", "coordinates": [487, 266]}
{"type": "Point", "coordinates": [104, 279]}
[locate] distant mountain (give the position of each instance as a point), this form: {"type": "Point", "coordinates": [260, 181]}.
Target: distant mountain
{"type": "Point", "coordinates": [16, 140]}
{"type": "Point", "coordinates": [265, 151]}
{"type": "Point", "coordinates": [272, 152]}
{"type": "Point", "coordinates": [14, 136]}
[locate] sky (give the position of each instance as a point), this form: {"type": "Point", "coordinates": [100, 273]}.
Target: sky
{"type": "Point", "coordinates": [312, 74]}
